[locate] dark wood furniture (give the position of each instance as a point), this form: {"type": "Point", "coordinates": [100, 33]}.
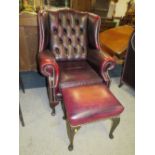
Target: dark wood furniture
{"type": "Point", "coordinates": [129, 18]}
{"type": "Point", "coordinates": [105, 9]}
{"type": "Point", "coordinates": [115, 41]}
{"type": "Point", "coordinates": [28, 41]}
{"type": "Point", "coordinates": [128, 72]}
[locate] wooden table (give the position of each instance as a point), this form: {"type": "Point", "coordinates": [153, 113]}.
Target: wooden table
{"type": "Point", "coordinates": [115, 41]}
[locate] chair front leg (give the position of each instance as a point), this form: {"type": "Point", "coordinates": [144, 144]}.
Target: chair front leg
{"type": "Point", "coordinates": [71, 131]}
{"type": "Point", "coordinates": [115, 122]}
{"type": "Point", "coordinates": [52, 94]}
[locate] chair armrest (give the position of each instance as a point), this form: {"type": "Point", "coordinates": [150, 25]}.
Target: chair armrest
{"type": "Point", "coordinates": [48, 66]}
{"type": "Point", "coordinates": [94, 22]}
{"type": "Point", "coordinates": [101, 63]}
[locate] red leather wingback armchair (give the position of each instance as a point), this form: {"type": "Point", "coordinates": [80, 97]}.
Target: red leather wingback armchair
{"type": "Point", "coordinates": [69, 51]}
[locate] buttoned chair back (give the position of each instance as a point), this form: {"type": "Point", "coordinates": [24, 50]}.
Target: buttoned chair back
{"type": "Point", "coordinates": [68, 39]}
{"type": "Point", "coordinates": [67, 32]}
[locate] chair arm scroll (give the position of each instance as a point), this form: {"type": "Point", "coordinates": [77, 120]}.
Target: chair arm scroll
{"type": "Point", "coordinates": [48, 66]}
{"type": "Point", "coordinates": [101, 63]}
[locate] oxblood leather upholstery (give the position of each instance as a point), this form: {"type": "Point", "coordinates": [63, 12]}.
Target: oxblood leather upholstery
{"type": "Point", "coordinates": [77, 73]}
{"type": "Point", "coordinates": [101, 63]}
{"type": "Point", "coordinates": [47, 64]}
{"type": "Point", "coordinates": [70, 38]}
{"type": "Point", "coordinates": [68, 35]}
{"type": "Point", "coordinates": [90, 103]}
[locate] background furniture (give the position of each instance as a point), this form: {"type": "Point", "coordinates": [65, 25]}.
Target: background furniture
{"type": "Point", "coordinates": [30, 6]}
{"type": "Point", "coordinates": [128, 72]}
{"type": "Point", "coordinates": [114, 41]}
{"type": "Point", "coordinates": [74, 4]}
{"type": "Point", "coordinates": [129, 18]}
{"type": "Point", "coordinates": [106, 10]}
{"type": "Point", "coordinates": [80, 5]}
{"type": "Point", "coordinates": [28, 41]}
{"type": "Point", "coordinates": [65, 58]}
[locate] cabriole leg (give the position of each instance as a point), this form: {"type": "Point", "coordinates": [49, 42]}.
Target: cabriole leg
{"type": "Point", "coordinates": [115, 122]}
{"type": "Point", "coordinates": [71, 131]}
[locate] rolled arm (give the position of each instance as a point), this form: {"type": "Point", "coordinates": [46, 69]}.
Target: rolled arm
{"type": "Point", "coordinates": [48, 66]}
{"type": "Point", "coordinates": [101, 63]}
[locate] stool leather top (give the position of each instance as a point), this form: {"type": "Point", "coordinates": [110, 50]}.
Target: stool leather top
{"type": "Point", "coordinates": [90, 103]}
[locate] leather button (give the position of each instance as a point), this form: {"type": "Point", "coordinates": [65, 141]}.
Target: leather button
{"type": "Point", "coordinates": [75, 50]}
{"type": "Point", "coordinates": [78, 39]}
{"type": "Point", "coordinates": [77, 22]}
{"type": "Point", "coordinates": [55, 30]}
{"type": "Point", "coordinates": [57, 51]}
{"type": "Point", "coordinates": [65, 31]}
{"type": "Point", "coordinates": [73, 30]}
{"type": "Point", "coordinates": [60, 40]}
{"type": "Point", "coordinates": [81, 30]}
{"type": "Point", "coordinates": [69, 40]}
{"type": "Point", "coordinates": [83, 51]}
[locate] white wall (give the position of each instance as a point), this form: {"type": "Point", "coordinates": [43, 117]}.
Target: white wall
{"type": "Point", "coordinates": [121, 8]}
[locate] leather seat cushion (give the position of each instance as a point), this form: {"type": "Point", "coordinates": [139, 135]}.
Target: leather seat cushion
{"type": "Point", "coordinates": [77, 73]}
{"type": "Point", "coordinates": [90, 103]}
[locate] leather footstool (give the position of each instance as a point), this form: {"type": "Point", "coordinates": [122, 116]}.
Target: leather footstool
{"type": "Point", "coordinates": [87, 104]}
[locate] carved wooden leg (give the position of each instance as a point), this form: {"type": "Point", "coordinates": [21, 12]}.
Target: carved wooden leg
{"type": "Point", "coordinates": [52, 95]}
{"type": "Point", "coordinates": [115, 122]}
{"type": "Point", "coordinates": [71, 131]}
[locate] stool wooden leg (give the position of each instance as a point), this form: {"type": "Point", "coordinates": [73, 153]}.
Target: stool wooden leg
{"type": "Point", "coordinates": [115, 122]}
{"type": "Point", "coordinates": [71, 131]}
